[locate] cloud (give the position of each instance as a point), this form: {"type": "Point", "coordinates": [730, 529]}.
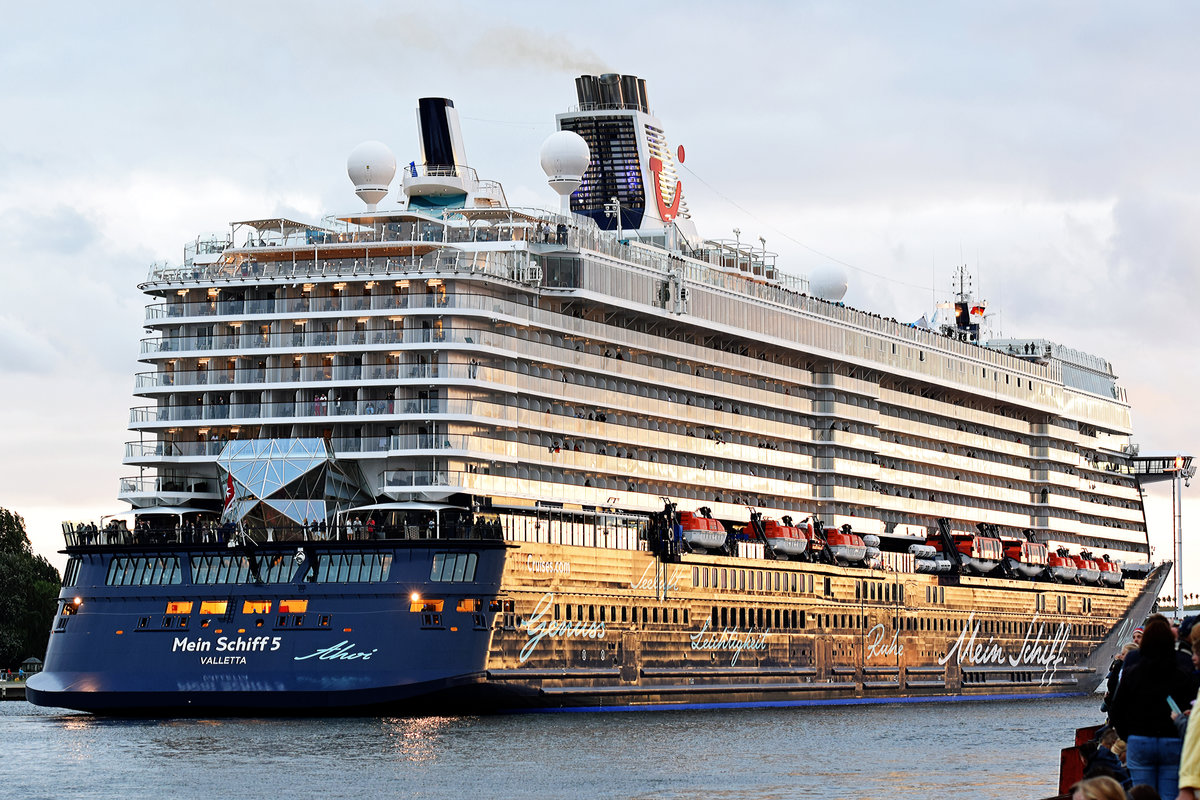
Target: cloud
{"type": "Point", "coordinates": [23, 351]}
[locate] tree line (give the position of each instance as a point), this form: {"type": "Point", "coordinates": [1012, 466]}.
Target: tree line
{"type": "Point", "coordinates": [28, 594]}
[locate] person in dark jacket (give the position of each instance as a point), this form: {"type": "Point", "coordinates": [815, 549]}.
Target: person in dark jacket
{"type": "Point", "coordinates": [1141, 714]}
{"type": "Point", "coordinates": [1106, 762]}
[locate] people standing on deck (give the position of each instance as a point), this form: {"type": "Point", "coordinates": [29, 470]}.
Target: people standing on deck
{"type": "Point", "coordinates": [1141, 713]}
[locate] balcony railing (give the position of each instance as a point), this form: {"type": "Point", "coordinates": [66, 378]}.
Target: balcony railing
{"type": "Point", "coordinates": [167, 485]}
{"type": "Point", "coordinates": [512, 265]}
{"type": "Point", "coordinates": [204, 528]}
{"type": "Point", "coordinates": [210, 448]}
{"type": "Point", "coordinates": [240, 342]}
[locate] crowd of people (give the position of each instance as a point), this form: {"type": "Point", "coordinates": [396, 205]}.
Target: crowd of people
{"type": "Point", "coordinates": [1147, 749]}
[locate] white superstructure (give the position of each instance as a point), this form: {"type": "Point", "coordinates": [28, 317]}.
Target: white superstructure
{"type": "Point", "coordinates": [469, 355]}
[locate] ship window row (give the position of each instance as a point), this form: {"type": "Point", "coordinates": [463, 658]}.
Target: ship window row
{"type": "Point", "coordinates": [453, 567]}
{"type": "Point", "coordinates": [752, 580]}
{"type": "Point", "coordinates": [584, 529]}
{"type": "Point", "coordinates": [214, 569]}
{"type": "Point", "coordinates": [353, 567]}
{"type": "Point", "coordinates": [654, 615]}
{"type": "Point", "coordinates": [738, 617]}
{"type": "Point", "coordinates": [143, 571]}
{"type": "Point", "coordinates": [882, 591]}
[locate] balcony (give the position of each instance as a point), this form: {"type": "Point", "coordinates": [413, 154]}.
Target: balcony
{"type": "Point", "coordinates": [168, 491]}
{"type": "Point", "coordinates": [510, 265]}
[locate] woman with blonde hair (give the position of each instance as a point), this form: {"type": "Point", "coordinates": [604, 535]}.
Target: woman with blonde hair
{"type": "Point", "coordinates": [1099, 788]}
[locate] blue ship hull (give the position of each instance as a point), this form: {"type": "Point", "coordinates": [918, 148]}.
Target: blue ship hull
{"type": "Point", "coordinates": [355, 646]}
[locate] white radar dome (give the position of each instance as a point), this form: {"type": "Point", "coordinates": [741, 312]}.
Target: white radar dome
{"type": "Point", "coordinates": [371, 167]}
{"type": "Point", "coordinates": [828, 283]}
{"type": "Point", "coordinates": [565, 157]}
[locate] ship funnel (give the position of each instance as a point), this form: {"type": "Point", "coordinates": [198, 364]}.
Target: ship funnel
{"type": "Point", "coordinates": [612, 91]}
{"type": "Point", "coordinates": [441, 135]}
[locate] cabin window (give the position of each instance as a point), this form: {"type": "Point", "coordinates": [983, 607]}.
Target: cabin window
{"type": "Point", "coordinates": [624, 617]}
{"type": "Point", "coordinates": [656, 614]}
{"type": "Point", "coordinates": [724, 617]}
{"type": "Point", "coordinates": [71, 573]}
{"type": "Point", "coordinates": [142, 571]}
{"type": "Point", "coordinates": [797, 615]}
{"type": "Point", "coordinates": [696, 576]}
{"type": "Point", "coordinates": [675, 615]}
{"type": "Point", "coordinates": [685, 616]}
{"type": "Point", "coordinates": [793, 582]}
{"type": "Point", "coordinates": [591, 613]}
{"type": "Point", "coordinates": [602, 613]}
{"type": "Point", "coordinates": [448, 567]}
{"type": "Point", "coordinates": [723, 584]}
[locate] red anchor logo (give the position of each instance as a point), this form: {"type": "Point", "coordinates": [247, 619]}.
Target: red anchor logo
{"type": "Point", "coordinates": [666, 212]}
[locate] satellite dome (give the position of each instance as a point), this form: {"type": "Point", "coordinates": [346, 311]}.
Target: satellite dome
{"type": "Point", "coordinates": [565, 154]}
{"type": "Point", "coordinates": [565, 157]}
{"type": "Point", "coordinates": [371, 167]}
{"type": "Point", "coordinates": [828, 283]}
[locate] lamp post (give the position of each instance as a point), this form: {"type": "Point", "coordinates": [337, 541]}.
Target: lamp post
{"type": "Point", "coordinates": [737, 247]}
{"type": "Point", "coordinates": [1182, 477]}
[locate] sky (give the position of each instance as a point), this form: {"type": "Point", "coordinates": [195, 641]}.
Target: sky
{"type": "Point", "coordinates": [1050, 147]}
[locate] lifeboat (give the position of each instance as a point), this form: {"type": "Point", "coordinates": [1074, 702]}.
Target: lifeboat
{"type": "Point", "coordinates": [978, 554]}
{"type": "Point", "coordinates": [1025, 558]}
{"type": "Point", "coordinates": [1088, 571]}
{"type": "Point", "coordinates": [787, 540]}
{"type": "Point", "coordinates": [1135, 570]}
{"type": "Point", "coordinates": [845, 546]}
{"type": "Point", "coordinates": [928, 559]}
{"type": "Point", "coordinates": [1061, 565]}
{"type": "Point", "coordinates": [1110, 571]}
{"type": "Point", "coordinates": [701, 531]}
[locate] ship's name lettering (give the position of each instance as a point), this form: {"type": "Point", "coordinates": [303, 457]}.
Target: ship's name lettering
{"type": "Point", "coordinates": [540, 625]}
{"type": "Point", "coordinates": [729, 639]}
{"type": "Point", "coordinates": [342, 651]}
{"type": "Point", "coordinates": [540, 565]}
{"type": "Point", "coordinates": [1037, 649]}
{"type": "Point", "coordinates": [876, 646]}
{"type": "Point", "coordinates": [650, 580]}
{"type": "Point", "coordinates": [226, 644]}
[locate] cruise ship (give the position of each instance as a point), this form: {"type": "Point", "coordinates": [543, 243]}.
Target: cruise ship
{"type": "Point", "coordinates": [445, 454]}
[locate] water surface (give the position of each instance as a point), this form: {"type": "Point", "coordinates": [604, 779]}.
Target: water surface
{"type": "Point", "coordinates": [961, 750]}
